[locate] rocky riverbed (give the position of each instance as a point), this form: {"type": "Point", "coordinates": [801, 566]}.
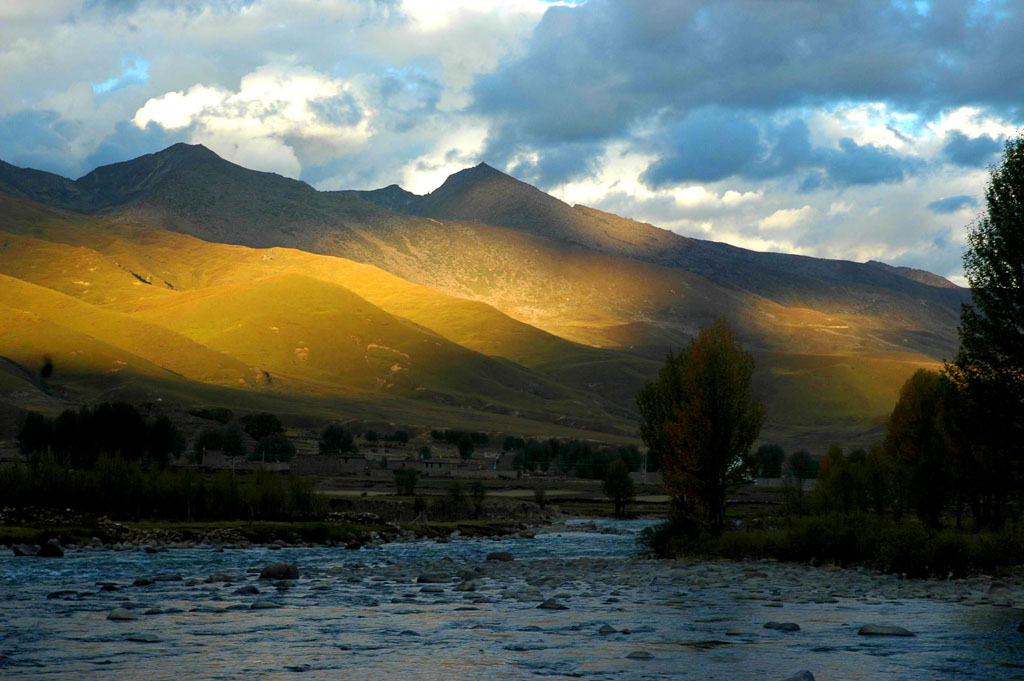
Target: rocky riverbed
{"type": "Point", "coordinates": [565, 604]}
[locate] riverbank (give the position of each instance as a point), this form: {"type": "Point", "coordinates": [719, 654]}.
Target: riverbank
{"type": "Point", "coordinates": [355, 529]}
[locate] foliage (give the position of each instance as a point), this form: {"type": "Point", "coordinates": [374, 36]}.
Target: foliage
{"type": "Point", "coordinates": [126, 490]}
{"type": "Point", "coordinates": [371, 436]}
{"type": "Point", "coordinates": [450, 506]}
{"type": "Point", "coordinates": [405, 481]}
{"type": "Point", "coordinates": [274, 448]}
{"type": "Point", "coordinates": [165, 441]}
{"type": "Point", "coordinates": [454, 436]}
{"type": "Point", "coordinates": [988, 371]}
{"type": "Point", "coordinates": [700, 420]}
{"type": "Point", "coordinates": [219, 414]}
{"type": "Point", "coordinates": [424, 452]}
{"type": "Point", "coordinates": [917, 442]}
{"type": "Point", "coordinates": [801, 466]}
{"type": "Point", "coordinates": [477, 496]}
{"type": "Point", "coordinates": [337, 439]}
{"type": "Point", "coordinates": [769, 461]}
{"type": "Point", "coordinates": [466, 447]}
{"type": "Point", "coordinates": [540, 496]}
{"type": "Point", "coordinates": [398, 436]}
{"type": "Point", "coordinates": [261, 425]}
{"type": "Point", "coordinates": [618, 486]}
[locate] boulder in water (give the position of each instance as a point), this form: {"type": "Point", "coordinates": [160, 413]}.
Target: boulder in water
{"type": "Point", "coordinates": [247, 590]}
{"type": "Point", "coordinates": [51, 549]}
{"type": "Point", "coordinates": [552, 604]}
{"type": "Point", "coordinates": [280, 571]}
{"type": "Point", "coordinates": [433, 578]}
{"type": "Point", "coordinates": [120, 614]}
{"type": "Point", "coordinates": [265, 605]}
{"type": "Point", "coordinates": [640, 655]}
{"type": "Point", "coordinates": [607, 629]}
{"type": "Point", "coordinates": [501, 556]}
{"type": "Point", "coordinates": [801, 676]}
{"type": "Point", "coordinates": [883, 630]}
{"type": "Point", "coordinates": [25, 549]}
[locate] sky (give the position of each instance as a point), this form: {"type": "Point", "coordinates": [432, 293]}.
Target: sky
{"type": "Point", "coordinates": [854, 129]}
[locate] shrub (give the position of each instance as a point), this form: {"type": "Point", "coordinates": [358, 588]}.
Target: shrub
{"type": "Point", "coordinates": [405, 481]}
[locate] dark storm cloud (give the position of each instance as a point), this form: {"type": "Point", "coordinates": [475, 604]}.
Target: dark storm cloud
{"type": "Point", "coordinates": [951, 204]}
{"type": "Point", "coordinates": [970, 151]}
{"type": "Point", "coordinates": [594, 71]}
{"type": "Point", "coordinates": [712, 144]}
{"type": "Point", "coordinates": [37, 139]}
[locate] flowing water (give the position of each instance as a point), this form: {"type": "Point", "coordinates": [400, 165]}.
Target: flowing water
{"type": "Point", "coordinates": [363, 615]}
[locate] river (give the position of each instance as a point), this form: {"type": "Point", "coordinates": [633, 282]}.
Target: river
{"type": "Point", "coordinates": [364, 615]}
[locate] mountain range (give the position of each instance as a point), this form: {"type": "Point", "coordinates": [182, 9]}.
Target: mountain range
{"type": "Point", "coordinates": [487, 304]}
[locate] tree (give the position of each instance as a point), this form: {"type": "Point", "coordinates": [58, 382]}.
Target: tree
{"type": "Point", "coordinates": [466, 447]}
{"type": "Point", "coordinates": [272, 448]}
{"type": "Point", "coordinates": [769, 461]}
{"type": "Point", "coordinates": [618, 486]}
{"type": "Point", "coordinates": [336, 440]}
{"type": "Point", "coordinates": [917, 442]}
{"type": "Point", "coordinates": [477, 496]}
{"type": "Point", "coordinates": [371, 436]}
{"type": "Point", "coordinates": [405, 481]}
{"type": "Point", "coordinates": [209, 440]}
{"type": "Point", "coordinates": [165, 440]}
{"type": "Point", "coordinates": [36, 434]}
{"type": "Point", "coordinates": [802, 467]}
{"type": "Point", "coordinates": [262, 425]}
{"type": "Point", "coordinates": [701, 421]}
{"type": "Point", "coordinates": [233, 442]}
{"type": "Point", "coordinates": [988, 371]}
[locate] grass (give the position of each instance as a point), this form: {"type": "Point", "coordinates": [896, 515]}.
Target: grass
{"type": "Point", "coordinates": [904, 547]}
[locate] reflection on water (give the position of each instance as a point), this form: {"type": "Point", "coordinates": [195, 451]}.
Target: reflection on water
{"type": "Point", "coordinates": [363, 614]}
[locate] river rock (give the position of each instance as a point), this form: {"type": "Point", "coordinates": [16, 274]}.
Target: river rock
{"type": "Point", "coordinates": [782, 626]}
{"type": "Point", "coordinates": [247, 590]}
{"type": "Point", "coordinates": [607, 629]}
{"type": "Point", "coordinates": [883, 630]}
{"type": "Point", "coordinates": [120, 614]}
{"type": "Point", "coordinates": [801, 676]}
{"type": "Point", "coordinates": [552, 604]}
{"type": "Point", "coordinates": [144, 638]}
{"type": "Point", "coordinates": [265, 605]}
{"type": "Point", "coordinates": [468, 585]}
{"type": "Point", "coordinates": [51, 549]}
{"type": "Point", "coordinates": [502, 556]}
{"type": "Point", "coordinates": [63, 593]}
{"type": "Point", "coordinates": [25, 549]}
{"type": "Point", "coordinates": [280, 571]}
{"type": "Point", "coordinates": [640, 655]}
{"type": "Point", "coordinates": [142, 581]}
{"type": "Point", "coordinates": [433, 578]}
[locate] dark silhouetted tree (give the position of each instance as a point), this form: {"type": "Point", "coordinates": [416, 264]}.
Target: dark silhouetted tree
{"type": "Point", "coordinates": [36, 434]}
{"type": "Point", "coordinates": [262, 425]}
{"type": "Point", "coordinates": [405, 481]}
{"type": "Point", "coordinates": [466, 447]}
{"type": "Point", "coordinates": [701, 420]}
{"type": "Point", "coordinates": [988, 371]}
{"type": "Point", "coordinates": [618, 486]}
{"type": "Point", "coordinates": [274, 448]}
{"type": "Point", "coordinates": [336, 440]}
{"type": "Point", "coordinates": [917, 442]}
{"type": "Point", "coordinates": [165, 441]}
{"type": "Point", "coordinates": [769, 461]}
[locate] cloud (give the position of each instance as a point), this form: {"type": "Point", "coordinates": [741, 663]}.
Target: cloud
{"type": "Point", "coordinates": [786, 218]}
{"type": "Point", "coordinates": [952, 204]}
{"type": "Point", "coordinates": [970, 151]}
{"type": "Point", "coordinates": [277, 113]}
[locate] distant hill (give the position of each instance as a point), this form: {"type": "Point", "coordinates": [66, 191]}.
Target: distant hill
{"type": "Point", "coordinates": [582, 304]}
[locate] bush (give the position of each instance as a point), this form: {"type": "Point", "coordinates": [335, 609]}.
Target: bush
{"type": "Point", "coordinates": [273, 448]}
{"type": "Point", "coordinates": [452, 505]}
{"type": "Point", "coordinates": [477, 496]}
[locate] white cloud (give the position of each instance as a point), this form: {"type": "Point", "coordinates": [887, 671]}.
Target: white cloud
{"type": "Point", "coordinates": [276, 110]}
{"type": "Point", "coordinates": [786, 218]}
